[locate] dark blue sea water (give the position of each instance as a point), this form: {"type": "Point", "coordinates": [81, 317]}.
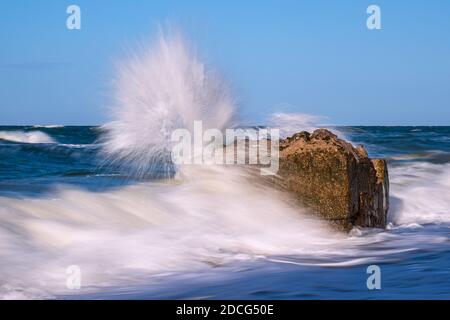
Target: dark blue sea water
{"type": "Point", "coordinates": [211, 234]}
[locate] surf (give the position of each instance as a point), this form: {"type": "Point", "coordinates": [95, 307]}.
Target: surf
{"type": "Point", "coordinates": [26, 137]}
{"type": "Point", "coordinates": [214, 217]}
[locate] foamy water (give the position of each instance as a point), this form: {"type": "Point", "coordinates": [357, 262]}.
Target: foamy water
{"type": "Point", "coordinates": [421, 194]}
{"type": "Point", "coordinates": [26, 137]}
{"type": "Point", "coordinates": [85, 202]}
{"type": "Point", "coordinates": [210, 217]}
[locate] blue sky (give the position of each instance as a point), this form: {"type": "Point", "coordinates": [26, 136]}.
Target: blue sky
{"type": "Point", "coordinates": [313, 57]}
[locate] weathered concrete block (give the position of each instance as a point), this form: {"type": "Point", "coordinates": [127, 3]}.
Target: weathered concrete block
{"type": "Point", "coordinates": [334, 179]}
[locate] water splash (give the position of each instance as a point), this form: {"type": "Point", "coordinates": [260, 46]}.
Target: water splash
{"type": "Point", "coordinates": [291, 123]}
{"type": "Point", "coordinates": [162, 88]}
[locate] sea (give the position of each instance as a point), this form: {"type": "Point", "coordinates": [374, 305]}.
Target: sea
{"type": "Point", "coordinates": [76, 225]}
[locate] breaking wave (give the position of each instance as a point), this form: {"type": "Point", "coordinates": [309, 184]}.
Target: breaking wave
{"type": "Point", "coordinates": [26, 137]}
{"type": "Point", "coordinates": [213, 219]}
{"type": "Point", "coordinates": [214, 216]}
{"type": "Point", "coordinates": [48, 126]}
{"type": "Point", "coordinates": [420, 193]}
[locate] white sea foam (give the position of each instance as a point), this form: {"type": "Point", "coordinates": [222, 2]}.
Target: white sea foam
{"type": "Point", "coordinates": [420, 193]}
{"type": "Point", "coordinates": [77, 145]}
{"type": "Point", "coordinates": [208, 217]}
{"type": "Point", "coordinates": [48, 126]}
{"type": "Point", "coordinates": [26, 137]}
{"type": "Point", "coordinates": [217, 217]}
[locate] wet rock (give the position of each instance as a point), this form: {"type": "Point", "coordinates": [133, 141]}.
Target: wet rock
{"type": "Point", "coordinates": [323, 134]}
{"type": "Point", "coordinates": [334, 179]}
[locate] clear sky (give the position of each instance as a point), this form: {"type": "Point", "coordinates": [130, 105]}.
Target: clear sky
{"type": "Point", "coordinates": [311, 56]}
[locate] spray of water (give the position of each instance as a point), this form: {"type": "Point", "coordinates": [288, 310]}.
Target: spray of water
{"type": "Point", "coordinates": [291, 123]}
{"type": "Point", "coordinates": [162, 88]}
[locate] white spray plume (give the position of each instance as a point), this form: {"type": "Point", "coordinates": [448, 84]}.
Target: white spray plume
{"type": "Point", "coordinates": [162, 88]}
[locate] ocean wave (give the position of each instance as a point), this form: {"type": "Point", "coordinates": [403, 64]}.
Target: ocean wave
{"type": "Point", "coordinates": [48, 126]}
{"type": "Point", "coordinates": [419, 193]}
{"type": "Point", "coordinates": [26, 137]}
{"type": "Point", "coordinates": [77, 145]}
{"type": "Point", "coordinates": [211, 216]}
{"type": "Point", "coordinates": [216, 218]}
{"type": "Point", "coordinates": [431, 156]}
